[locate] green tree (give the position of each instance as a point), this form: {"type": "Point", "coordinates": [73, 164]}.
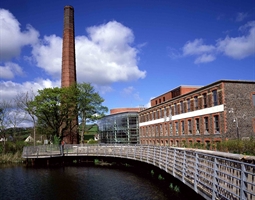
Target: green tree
{"type": "Point", "coordinates": [55, 109]}
{"type": "Point", "coordinates": [89, 105]}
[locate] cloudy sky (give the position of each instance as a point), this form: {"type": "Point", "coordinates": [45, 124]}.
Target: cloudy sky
{"type": "Point", "coordinates": [131, 51]}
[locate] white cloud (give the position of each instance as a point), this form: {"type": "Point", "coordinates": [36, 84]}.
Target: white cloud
{"type": "Point", "coordinates": [148, 105]}
{"type": "Point", "coordinates": [47, 55]}
{"type": "Point", "coordinates": [239, 47]}
{"type": "Point", "coordinates": [197, 48]}
{"type": "Point", "coordinates": [241, 16]}
{"type": "Point", "coordinates": [128, 91]}
{"type": "Point", "coordinates": [234, 47]}
{"type": "Point", "coordinates": [9, 89]}
{"type": "Point", "coordinates": [12, 38]}
{"type": "Point", "coordinates": [104, 57]}
{"type": "Point", "coordinates": [102, 89]}
{"type": "Point", "coordinates": [173, 53]}
{"type": "Point", "coordinates": [204, 58]}
{"type": "Point", "coordinates": [10, 70]}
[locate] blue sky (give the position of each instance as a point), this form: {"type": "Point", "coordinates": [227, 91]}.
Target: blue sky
{"type": "Point", "coordinates": [131, 51]}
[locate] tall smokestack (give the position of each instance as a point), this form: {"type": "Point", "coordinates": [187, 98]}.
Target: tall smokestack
{"type": "Point", "coordinates": [68, 51]}
{"type": "Point", "coordinates": [68, 77]}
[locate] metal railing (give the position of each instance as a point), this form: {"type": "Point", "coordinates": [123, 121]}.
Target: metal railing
{"type": "Point", "coordinates": [214, 175]}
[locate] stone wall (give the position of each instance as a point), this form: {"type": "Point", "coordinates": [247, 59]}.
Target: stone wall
{"type": "Point", "coordinates": [239, 109]}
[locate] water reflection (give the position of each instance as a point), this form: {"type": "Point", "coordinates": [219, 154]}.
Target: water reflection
{"type": "Point", "coordinates": [97, 183]}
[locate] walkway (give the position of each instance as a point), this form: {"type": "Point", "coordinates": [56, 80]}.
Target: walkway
{"type": "Point", "coordinates": [213, 175]}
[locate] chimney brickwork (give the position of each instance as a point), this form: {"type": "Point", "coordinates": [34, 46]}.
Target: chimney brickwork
{"type": "Point", "coordinates": [68, 76]}
{"type": "Point", "coordinates": [68, 51]}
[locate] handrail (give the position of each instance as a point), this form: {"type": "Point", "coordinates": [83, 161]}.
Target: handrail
{"type": "Point", "coordinates": [209, 174]}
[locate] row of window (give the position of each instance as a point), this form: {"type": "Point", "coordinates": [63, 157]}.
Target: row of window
{"type": "Point", "coordinates": [196, 103]}
{"type": "Point", "coordinates": [177, 142]}
{"type": "Point", "coordinates": [182, 127]}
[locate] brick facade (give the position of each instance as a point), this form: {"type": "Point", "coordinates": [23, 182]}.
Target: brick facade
{"type": "Point", "coordinates": [209, 114]}
{"type": "Point", "coordinates": [121, 110]}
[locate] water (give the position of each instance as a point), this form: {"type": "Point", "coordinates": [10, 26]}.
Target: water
{"type": "Point", "coordinates": [72, 182]}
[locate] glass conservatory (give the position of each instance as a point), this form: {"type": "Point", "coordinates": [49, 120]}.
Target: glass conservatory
{"type": "Point", "coordinates": [119, 128]}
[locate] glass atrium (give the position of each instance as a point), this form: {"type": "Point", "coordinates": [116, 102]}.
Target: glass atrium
{"type": "Point", "coordinates": [119, 128]}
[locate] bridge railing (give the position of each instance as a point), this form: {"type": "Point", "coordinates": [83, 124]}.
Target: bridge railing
{"type": "Point", "coordinates": [214, 175]}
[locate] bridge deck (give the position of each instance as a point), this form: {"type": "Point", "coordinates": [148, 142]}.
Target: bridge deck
{"type": "Point", "coordinates": [214, 175]}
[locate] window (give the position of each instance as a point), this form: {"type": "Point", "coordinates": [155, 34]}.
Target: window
{"type": "Point", "coordinates": [189, 127]}
{"type": "Point", "coordinates": [160, 113]}
{"type": "Point", "coordinates": [161, 130]}
{"type": "Point", "coordinates": [204, 100]}
{"type": "Point", "coordinates": [176, 128]}
{"type": "Point", "coordinates": [182, 124]}
{"type": "Point", "coordinates": [170, 128]}
{"type": "Point", "coordinates": [170, 113]}
{"type": "Point", "coordinates": [216, 124]}
{"type": "Point", "coordinates": [188, 105]}
{"type": "Point", "coordinates": [156, 102]}
{"type": "Point", "coordinates": [182, 107]}
{"type": "Point", "coordinates": [152, 116]}
{"type": "Point", "coordinates": [197, 126]}
{"type": "Point", "coordinates": [164, 99]}
{"type": "Point", "coordinates": [156, 130]}
{"type": "Point", "coordinates": [206, 125]}
{"type": "Point", "coordinates": [165, 113]}
{"type": "Point", "coordinates": [215, 98]}
{"type": "Point", "coordinates": [196, 102]}
{"type": "Point", "coordinates": [175, 109]}
{"type": "Point", "coordinates": [156, 116]}
{"type": "Point", "coordinates": [159, 100]}
{"type": "Point", "coordinates": [165, 125]}
{"type": "Point", "coordinates": [253, 99]}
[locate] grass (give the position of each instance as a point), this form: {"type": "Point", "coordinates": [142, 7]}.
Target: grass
{"type": "Point", "coordinates": [11, 157]}
{"type": "Point", "coordinates": [245, 147]}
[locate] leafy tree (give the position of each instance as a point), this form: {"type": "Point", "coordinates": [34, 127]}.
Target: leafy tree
{"type": "Point", "coordinates": [55, 109]}
{"type": "Point", "coordinates": [89, 105]}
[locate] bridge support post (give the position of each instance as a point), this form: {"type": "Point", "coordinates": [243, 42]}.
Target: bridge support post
{"type": "Point", "coordinates": [174, 162]}
{"type": "Point", "coordinates": [184, 167]}
{"type": "Point", "coordinates": [196, 172]}
{"type": "Point", "coordinates": [243, 180]}
{"type": "Point", "coordinates": [166, 164]}
{"type": "Point", "coordinates": [215, 169]}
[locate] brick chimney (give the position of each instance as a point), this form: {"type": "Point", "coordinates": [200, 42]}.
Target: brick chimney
{"type": "Point", "coordinates": [68, 51]}
{"type": "Point", "coordinates": [68, 76]}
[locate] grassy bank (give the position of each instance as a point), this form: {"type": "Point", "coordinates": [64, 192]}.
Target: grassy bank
{"type": "Point", "coordinates": [11, 152]}
{"type": "Point", "coordinates": [11, 158]}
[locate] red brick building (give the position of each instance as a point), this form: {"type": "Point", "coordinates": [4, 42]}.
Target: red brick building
{"type": "Point", "coordinates": [187, 115]}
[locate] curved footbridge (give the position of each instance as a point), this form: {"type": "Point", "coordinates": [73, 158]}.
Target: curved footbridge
{"type": "Point", "coordinates": [212, 174]}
